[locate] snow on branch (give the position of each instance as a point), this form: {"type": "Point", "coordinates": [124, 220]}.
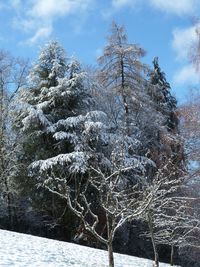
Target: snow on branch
{"type": "Point", "coordinates": [75, 161]}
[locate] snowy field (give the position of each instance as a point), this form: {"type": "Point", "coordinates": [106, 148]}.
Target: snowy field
{"type": "Point", "coordinates": [25, 250]}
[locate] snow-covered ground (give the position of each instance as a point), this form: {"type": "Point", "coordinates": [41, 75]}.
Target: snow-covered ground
{"type": "Point", "coordinates": [25, 250]}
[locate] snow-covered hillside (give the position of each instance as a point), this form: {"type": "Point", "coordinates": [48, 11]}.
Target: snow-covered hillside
{"type": "Point", "coordinates": [25, 250]}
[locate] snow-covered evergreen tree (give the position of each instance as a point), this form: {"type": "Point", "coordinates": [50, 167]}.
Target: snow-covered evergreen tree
{"type": "Point", "coordinates": [168, 143]}
{"type": "Point", "coordinates": [56, 93]}
{"type": "Point", "coordinates": [57, 128]}
{"type": "Point", "coordinates": [160, 93]}
{"type": "Point", "coordinates": [51, 65]}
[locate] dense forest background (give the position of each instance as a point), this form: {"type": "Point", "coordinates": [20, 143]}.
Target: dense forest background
{"type": "Point", "coordinates": [100, 155]}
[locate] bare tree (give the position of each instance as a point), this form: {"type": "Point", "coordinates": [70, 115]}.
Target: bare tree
{"type": "Point", "coordinates": [177, 229]}
{"type": "Point", "coordinates": [190, 127]}
{"type": "Point", "coordinates": [12, 76]}
{"type": "Point", "coordinates": [171, 216]}
{"type": "Point", "coordinates": [119, 201]}
{"type": "Point", "coordinates": [121, 71]}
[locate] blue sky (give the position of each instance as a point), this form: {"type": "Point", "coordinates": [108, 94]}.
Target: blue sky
{"type": "Point", "coordinates": [162, 27]}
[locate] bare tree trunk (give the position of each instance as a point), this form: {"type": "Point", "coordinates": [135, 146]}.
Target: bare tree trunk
{"type": "Point", "coordinates": [172, 256]}
{"type": "Point", "coordinates": [9, 202]}
{"type": "Point", "coordinates": [156, 257]}
{"type": "Point", "coordinates": [110, 240]}
{"type": "Point", "coordinates": [2, 153]}
{"type": "Point", "coordinates": [110, 254]}
{"type": "Point", "coordinates": [124, 96]}
{"type": "Point", "coordinates": [3, 165]}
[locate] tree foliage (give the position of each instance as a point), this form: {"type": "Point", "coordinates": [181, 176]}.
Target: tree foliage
{"type": "Point", "coordinates": [96, 144]}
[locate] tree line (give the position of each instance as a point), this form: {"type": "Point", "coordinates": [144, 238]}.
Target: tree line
{"type": "Point", "coordinates": [95, 150]}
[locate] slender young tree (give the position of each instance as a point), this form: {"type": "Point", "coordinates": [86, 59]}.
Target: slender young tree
{"type": "Point", "coordinates": [12, 76]}
{"type": "Point", "coordinates": [171, 214]}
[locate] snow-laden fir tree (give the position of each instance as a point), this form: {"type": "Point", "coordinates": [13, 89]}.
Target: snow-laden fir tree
{"type": "Point", "coordinates": [51, 66]}
{"type": "Point", "coordinates": [160, 93]}
{"type": "Point", "coordinates": [55, 93]}
{"type": "Point", "coordinates": [168, 143]}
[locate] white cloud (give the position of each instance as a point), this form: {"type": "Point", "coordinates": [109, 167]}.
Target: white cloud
{"type": "Point", "coordinates": [40, 34]}
{"type": "Point", "coordinates": [52, 8]}
{"type": "Point", "coordinates": [186, 76]}
{"type": "Point", "coordinates": [182, 41]}
{"type": "Point", "coordinates": [178, 7]}
{"type": "Point", "coordinates": [40, 15]}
